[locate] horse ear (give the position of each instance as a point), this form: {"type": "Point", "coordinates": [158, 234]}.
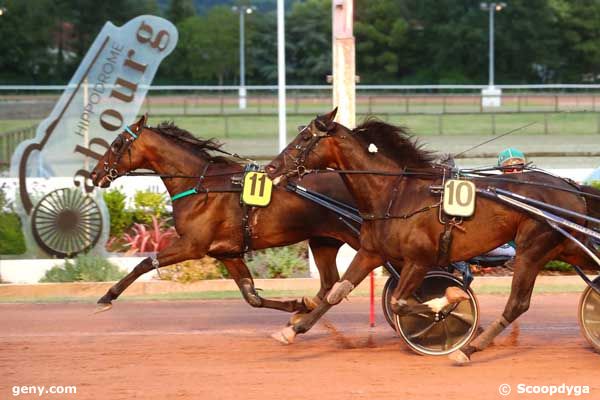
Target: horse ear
{"type": "Point", "coordinates": [325, 122]}
{"type": "Point", "coordinates": [142, 121]}
{"type": "Point", "coordinates": [330, 116]}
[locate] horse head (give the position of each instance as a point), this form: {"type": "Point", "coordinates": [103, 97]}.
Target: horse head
{"type": "Point", "coordinates": [311, 148]}
{"type": "Point", "coordinates": [123, 155]}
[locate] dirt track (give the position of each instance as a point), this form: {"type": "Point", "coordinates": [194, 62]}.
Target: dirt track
{"type": "Point", "coordinates": [222, 350]}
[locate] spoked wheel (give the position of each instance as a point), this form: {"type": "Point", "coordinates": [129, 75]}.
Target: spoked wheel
{"type": "Point", "coordinates": [589, 316]}
{"type": "Point", "coordinates": [66, 222]}
{"type": "Point", "coordinates": [386, 297]}
{"type": "Point", "coordinates": [432, 333]}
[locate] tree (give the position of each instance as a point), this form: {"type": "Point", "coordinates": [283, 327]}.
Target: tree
{"type": "Point", "coordinates": [26, 34]}
{"type": "Point", "coordinates": [308, 42]}
{"type": "Point", "coordinates": [207, 47]}
{"type": "Point", "coordinates": [579, 25]}
{"type": "Point", "coordinates": [381, 34]}
{"type": "Point", "coordinates": [180, 10]}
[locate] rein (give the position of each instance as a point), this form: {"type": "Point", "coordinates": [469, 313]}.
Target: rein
{"type": "Point", "coordinates": [472, 174]}
{"type": "Point", "coordinates": [124, 144]}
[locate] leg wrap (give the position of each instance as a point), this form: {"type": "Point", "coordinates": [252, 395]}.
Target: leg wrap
{"type": "Point", "coordinates": [339, 291]}
{"type": "Point", "coordinates": [156, 264]}
{"type": "Point", "coordinates": [249, 293]}
{"type": "Point", "coordinates": [482, 341]}
{"type": "Point", "coordinates": [398, 307]}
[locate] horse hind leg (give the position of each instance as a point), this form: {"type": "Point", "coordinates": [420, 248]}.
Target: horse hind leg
{"type": "Point", "coordinates": [240, 273]}
{"type": "Point", "coordinates": [359, 268]}
{"type": "Point", "coordinates": [528, 263]}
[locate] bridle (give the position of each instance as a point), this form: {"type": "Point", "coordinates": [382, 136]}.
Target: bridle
{"type": "Point", "coordinates": [118, 147]}
{"type": "Point", "coordinates": [310, 138]}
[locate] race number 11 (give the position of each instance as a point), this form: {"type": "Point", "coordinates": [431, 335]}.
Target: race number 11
{"type": "Point", "coordinates": [459, 198]}
{"type": "Point", "coordinates": [257, 189]}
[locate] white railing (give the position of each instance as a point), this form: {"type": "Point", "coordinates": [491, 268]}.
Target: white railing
{"type": "Point", "coordinates": [183, 88]}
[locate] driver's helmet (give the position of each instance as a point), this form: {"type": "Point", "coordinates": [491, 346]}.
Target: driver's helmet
{"type": "Point", "coordinates": [510, 157]}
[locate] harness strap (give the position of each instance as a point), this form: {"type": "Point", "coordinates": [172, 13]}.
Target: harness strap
{"type": "Point", "coordinates": [128, 129]}
{"type": "Point", "coordinates": [246, 229]}
{"type": "Point", "coordinates": [373, 217]}
{"type": "Point", "coordinates": [445, 241]}
{"type": "Point", "coordinates": [184, 194]}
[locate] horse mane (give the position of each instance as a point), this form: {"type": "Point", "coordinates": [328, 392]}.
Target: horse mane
{"type": "Point", "coordinates": [187, 139]}
{"type": "Point", "coordinates": [394, 142]}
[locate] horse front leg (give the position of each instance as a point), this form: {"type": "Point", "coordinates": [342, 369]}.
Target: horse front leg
{"type": "Point", "coordinates": [241, 275]}
{"type": "Point", "coordinates": [180, 250]}
{"type": "Point", "coordinates": [363, 263]}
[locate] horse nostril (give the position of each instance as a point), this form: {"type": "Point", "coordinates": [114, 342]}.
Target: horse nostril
{"type": "Point", "coordinates": [270, 168]}
{"type": "Point", "coordinates": [93, 175]}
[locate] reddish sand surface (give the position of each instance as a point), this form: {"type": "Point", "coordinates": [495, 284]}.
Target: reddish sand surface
{"type": "Point", "coordinates": [222, 350]}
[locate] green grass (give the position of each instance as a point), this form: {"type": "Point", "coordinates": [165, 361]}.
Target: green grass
{"type": "Point", "coordinates": [8, 125]}
{"type": "Point", "coordinates": [253, 126]}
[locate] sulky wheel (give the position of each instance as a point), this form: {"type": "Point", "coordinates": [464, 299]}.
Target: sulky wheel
{"type": "Point", "coordinates": [432, 333]}
{"type": "Point", "coordinates": [66, 222]}
{"type": "Point", "coordinates": [386, 297]}
{"type": "Point", "coordinates": [589, 315]}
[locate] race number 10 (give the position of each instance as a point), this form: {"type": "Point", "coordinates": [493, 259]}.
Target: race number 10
{"type": "Point", "coordinates": [459, 198]}
{"type": "Point", "coordinates": [257, 189]}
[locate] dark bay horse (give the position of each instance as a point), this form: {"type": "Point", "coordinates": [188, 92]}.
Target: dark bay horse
{"type": "Point", "coordinates": [211, 223]}
{"type": "Point", "coordinates": [402, 216]}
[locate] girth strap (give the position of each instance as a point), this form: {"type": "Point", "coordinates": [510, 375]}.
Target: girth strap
{"type": "Point", "coordinates": [443, 258]}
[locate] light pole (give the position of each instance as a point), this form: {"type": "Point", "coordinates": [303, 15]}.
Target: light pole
{"type": "Point", "coordinates": [491, 95]}
{"type": "Point", "coordinates": [242, 10]}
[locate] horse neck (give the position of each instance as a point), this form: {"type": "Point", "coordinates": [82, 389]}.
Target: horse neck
{"type": "Point", "coordinates": [166, 157]}
{"type": "Point", "coordinates": [371, 191]}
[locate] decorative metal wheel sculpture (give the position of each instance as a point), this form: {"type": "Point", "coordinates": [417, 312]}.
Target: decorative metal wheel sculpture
{"type": "Point", "coordinates": [432, 333]}
{"type": "Point", "coordinates": [589, 315]}
{"type": "Point", "coordinates": [66, 222]}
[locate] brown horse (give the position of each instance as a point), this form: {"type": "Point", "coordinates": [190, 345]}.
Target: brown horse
{"type": "Point", "coordinates": [211, 223]}
{"type": "Point", "coordinates": [392, 186]}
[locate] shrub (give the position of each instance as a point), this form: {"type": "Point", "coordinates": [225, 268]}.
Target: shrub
{"type": "Point", "coordinates": [594, 184]}
{"type": "Point", "coordinates": [194, 270]}
{"type": "Point", "coordinates": [280, 262]}
{"type": "Point", "coordinates": [120, 218]}
{"type": "Point", "coordinates": [559, 266]}
{"type": "Point", "coordinates": [85, 268]}
{"type": "Point", "coordinates": [145, 240]}
{"type": "Point", "coordinates": [147, 205]}
{"type": "Point", "coordinates": [12, 240]}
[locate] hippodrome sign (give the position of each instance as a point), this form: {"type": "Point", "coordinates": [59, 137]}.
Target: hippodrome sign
{"type": "Point", "coordinates": [104, 96]}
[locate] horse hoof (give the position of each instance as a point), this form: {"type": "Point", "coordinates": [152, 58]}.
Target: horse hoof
{"type": "Point", "coordinates": [101, 307]}
{"type": "Point", "coordinates": [459, 357]}
{"type": "Point", "coordinates": [285, 336]}
{"type": "Point", "coordinates": [311, 302]}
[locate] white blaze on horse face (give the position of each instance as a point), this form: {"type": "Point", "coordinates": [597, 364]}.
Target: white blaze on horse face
{"type": "Point", "coordinates": [372, 148]}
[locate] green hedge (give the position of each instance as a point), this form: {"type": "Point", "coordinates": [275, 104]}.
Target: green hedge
{"type": "Point", "coordinates": [85, 269]}
{"type": "Point", "coordinates": [12, 240]}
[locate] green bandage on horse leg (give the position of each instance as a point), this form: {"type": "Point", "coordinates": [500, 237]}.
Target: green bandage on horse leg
{"type": "Point", "coordinates": [485, 338]}
{"type": "Point", "coordinates": [339, 291]}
